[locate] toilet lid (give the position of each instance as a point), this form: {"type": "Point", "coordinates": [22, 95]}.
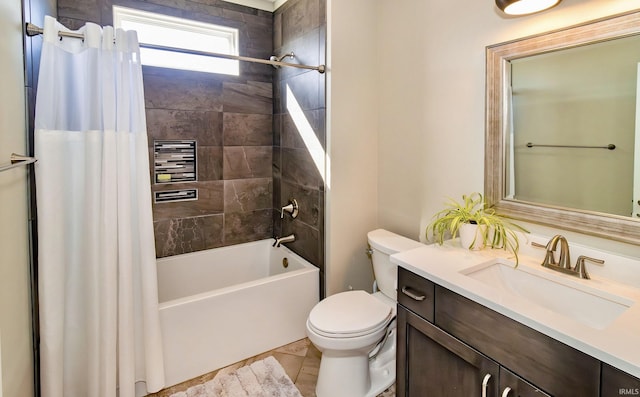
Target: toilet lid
{"type": "Point", "coordinates": [347, 313]}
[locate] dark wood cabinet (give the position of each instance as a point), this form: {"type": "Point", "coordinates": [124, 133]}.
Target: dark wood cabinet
{"type": "Point", "coordinates": [448, 344]}
{"type": "Point", "coordinates": [616, 383]}
{"type": "Point", "coordinates": [511, 385]}
{"type": "Point", "coordinates": [416, 294]}
{"type": "Point", "coordinates": [435, 363]}
{"type": "Point", "coordinates": [553, 366]}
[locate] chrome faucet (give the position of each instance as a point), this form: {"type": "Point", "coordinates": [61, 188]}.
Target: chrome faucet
{"type": "Point", "coordinates": [281, 240]}
{"type": "Point", "coordinates": [564, 260]}
{"type": "Point", "coordinates": [292, 208]}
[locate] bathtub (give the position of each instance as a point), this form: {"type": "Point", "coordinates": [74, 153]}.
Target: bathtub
{"type": "Point", "coordinates": [221, 306]}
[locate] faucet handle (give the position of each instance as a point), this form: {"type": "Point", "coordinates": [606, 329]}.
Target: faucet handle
{"type": "Point", "coordinates": [549, 258]}
{"type": "Point", "coordinates": [291, 208]}
{"type": "Point", "coordinates": [538, 245]}
{"type": "Point", "coordinates": [581, 268]}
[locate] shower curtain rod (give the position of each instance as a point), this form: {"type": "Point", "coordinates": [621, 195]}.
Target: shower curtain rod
{"type": "Point", "coordinates": [17, 160]}
{"type": "Point", "coordinates": [33, 30]}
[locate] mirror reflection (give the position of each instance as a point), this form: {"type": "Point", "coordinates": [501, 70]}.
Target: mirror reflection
{"type": "Point", "coordinates": [553, 101]}
{"type": "Point", "coordinates": [573, 127]}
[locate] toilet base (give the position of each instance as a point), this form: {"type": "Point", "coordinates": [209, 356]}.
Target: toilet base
{"type": "Point", "coordinates": [382, 377]}
{"type": "Point", "coordinates": [358, 376]}
{"type": "Point", "coordinates": [382, 369]}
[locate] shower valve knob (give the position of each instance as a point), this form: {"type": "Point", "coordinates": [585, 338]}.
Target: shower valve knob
{"type": "Point", "coordinates": [292, 208]}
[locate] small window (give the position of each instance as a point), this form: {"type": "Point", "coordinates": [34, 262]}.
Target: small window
{"type": "Point", "coordinates": [163, 30]}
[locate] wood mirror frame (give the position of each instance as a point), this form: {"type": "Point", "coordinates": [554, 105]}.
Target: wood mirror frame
{"type": "Point", "coordinates": [614, 227]}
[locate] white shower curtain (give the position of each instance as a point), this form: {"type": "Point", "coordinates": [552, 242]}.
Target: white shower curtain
{"type": "Point", "coordinates": [99, 320]}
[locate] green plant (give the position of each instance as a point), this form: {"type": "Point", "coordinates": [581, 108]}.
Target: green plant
{"type": "Point", "coordinates": [499, 230]}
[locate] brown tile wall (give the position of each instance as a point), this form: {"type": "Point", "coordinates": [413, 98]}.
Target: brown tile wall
{"type": "Point", "coordinates": [230, 117]}
{"type": "Point", "coordinates": [251, 158]}
{"type": "Point", "coordinates": [300, 26]}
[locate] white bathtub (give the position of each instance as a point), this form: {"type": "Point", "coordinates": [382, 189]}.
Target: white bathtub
{"type": "Point", "coordinates": [221, 306]}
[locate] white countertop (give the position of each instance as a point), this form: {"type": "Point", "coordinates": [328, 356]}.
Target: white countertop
{"type": "Point", "coordinates": [618, 344]}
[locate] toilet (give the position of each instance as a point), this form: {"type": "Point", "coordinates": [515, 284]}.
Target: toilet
{"type": "Point", "coordinates": [356, 331]}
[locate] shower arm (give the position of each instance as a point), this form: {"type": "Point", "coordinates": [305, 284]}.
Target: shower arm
{"type": "Point", "coordinates": [274, 58]}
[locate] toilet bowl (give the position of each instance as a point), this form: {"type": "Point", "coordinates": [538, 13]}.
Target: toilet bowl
{"type": "Point", "coordinates": [356, 331]}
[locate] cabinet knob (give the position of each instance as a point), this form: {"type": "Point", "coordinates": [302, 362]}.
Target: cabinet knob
{"type": "Point", "coordinates": [505, 392]}
{"type": "Point", "coordinates": [413, 295]}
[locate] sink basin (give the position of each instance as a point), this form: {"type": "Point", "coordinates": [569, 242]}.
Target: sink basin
{"type": "Point", "coordinates": [557, 293]}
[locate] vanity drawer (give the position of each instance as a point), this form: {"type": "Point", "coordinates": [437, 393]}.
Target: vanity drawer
{"type": "Point", "coordinates": [556, 368]}
{"type": "Point", "coordinates": [416, 294]}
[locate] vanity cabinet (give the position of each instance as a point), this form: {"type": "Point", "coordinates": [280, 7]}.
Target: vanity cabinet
{"type": "Point", "coordinates": [435, 363]}
{"type": "Point", "coordinates": [449, 352]}
{"type": "Point", "coordinates": [616, 383]}
{"type": "Point", "coordinates": [511, 385]}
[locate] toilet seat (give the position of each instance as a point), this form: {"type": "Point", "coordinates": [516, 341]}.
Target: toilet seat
{"type": "Point", "coordinates": [349, 314]}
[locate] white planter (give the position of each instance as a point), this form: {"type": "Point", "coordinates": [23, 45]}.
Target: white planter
{"type": "Point", "coordinates": [471, 236]}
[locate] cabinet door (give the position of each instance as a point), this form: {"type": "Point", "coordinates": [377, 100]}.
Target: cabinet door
{"type": "Point", "coordinates": [616, 383]}
{"type": "Point", "coordinates": [433, 363]}
{"type": "Point", "coordinates": [511, 385]}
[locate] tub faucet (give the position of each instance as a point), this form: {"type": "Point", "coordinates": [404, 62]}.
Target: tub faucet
{"type": "Point", "coordinates": [281, 240]}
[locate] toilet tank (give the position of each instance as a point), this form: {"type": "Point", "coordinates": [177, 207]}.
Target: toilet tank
{"type": "Point", "coordinates": [383, 244]}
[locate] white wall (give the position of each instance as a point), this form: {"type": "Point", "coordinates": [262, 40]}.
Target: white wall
{"type": "Point", "coordinates": [432, 70]}
{"type": "Point", "coordinates": [15, 323]}
{"type": "Point", "coordinates": [352, 143]}
{"type": "Point", "coordinates": [407, 81]}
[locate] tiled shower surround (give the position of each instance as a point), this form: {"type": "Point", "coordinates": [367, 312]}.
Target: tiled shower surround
{"type": "Point", "coordinates": [251, 159]}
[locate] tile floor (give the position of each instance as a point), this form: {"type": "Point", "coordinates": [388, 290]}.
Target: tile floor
{"type": "Point", "coordinates": [301, 361]}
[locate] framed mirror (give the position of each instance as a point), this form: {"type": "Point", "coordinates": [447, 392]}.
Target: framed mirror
{"type": "Point", "coordinates": [563, 128]}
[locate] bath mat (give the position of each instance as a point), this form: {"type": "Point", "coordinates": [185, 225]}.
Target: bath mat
{"type": "Point", "coordinates": [264, 378]}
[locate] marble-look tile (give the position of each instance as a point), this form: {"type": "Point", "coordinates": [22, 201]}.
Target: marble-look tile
{"type": "Point", "coordinates": [209, 163]}
{"type": "Point", "coordinates": [301, 368]}
{"type": "Point", "coordinates": [182, 90]}
{"type": "Point", "coordinates": [210, 200]}
{"type": "Point", "coordinates": [178, 8]}
{"type": "Point", "coordinates": [84, 10]}
{"type": "Point", "coordinates": [242, 129]}
{"type": "Point", "coordinates": [298, 348]}
{"type": "Point", "coordinates": [291, 133]}
{"type": "Point", "coordinates": [299, 18]}
{"type": "Point", "coordinates": [307, 240]}
{"type": "Point", "coordinates": [242, 227]}
{"type": "Point", "coordinates": [277, 223]}
{"type": "Point", "coordinates": [308, 375]}
{"type": "Point", "coordinates": [298, 168]}
{"type": "Point", "coordinates": [290, 362]}
{"type": "Point", "coordinates": [306, 52]}
{"type": "Point", "coordinates": [247, 162]}
{"type": "Point", "coordinates": [277, 30]}
{"type": "Point", "coordinates": [302, 90]}
{"type": "Point", "coordinates": [257, 34]}
{"type": "Point", "coordinates": [179, 236]}
{"type": "Point", "coordinates": [243, 195]}
{"type": "Point", "coordinates": [277, 129]}
{"type": "Point", "coordinates": [276, 161]}
{"type": "Point", "coordinates": [72, 23]}
{"type": "Point", "coordinates": [252, 97]}
{"type": "Point", "coordinates": [205, 127]}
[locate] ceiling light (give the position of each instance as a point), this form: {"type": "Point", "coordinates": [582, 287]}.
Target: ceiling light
{"type": "Point", "coordinates": [522, 7]}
